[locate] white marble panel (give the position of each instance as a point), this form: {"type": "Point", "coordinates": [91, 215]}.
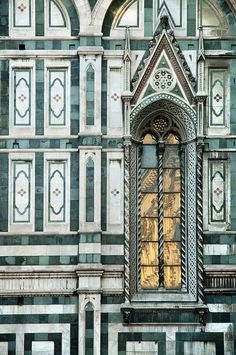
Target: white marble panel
{"type": "Point", "coordinates": [57, 92]}
{"type": "Point", "coordinates": [21, 191]}
{"type": "Point", "coordinates": [22, 13]}
{"type": "Point", "coordinates": [3, 348]}
{"type": "Point", "coordinates": [57, 191]}
{"type": "Point", "coordinates": [141, 348]}
{"type": "Point", "coordinates": [42, 348]}
{"type": "Point", "coordinates": [199, 348]}
{"type": "Point", "coordinates": [38, 250]}
{"type": "Point", "coordinates": [57, 21]}
{"type": "Point", "coordinates": [22, 94]}
{"type": "Point", "coordinates": [115, 119]}
{"type": "Point", "coordinates": [115, 192]}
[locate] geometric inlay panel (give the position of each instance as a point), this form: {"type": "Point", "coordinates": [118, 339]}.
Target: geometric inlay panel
{"type": "Point", "coordinates": [56, 191]}
{"type": "Point", "coordinates": [57, 97]}
{"type": "Point", "coordinates": [21, 191]}
{"type": "Point", "coordinates": [22, 97]}
{"type": "Point", "coordinates": [22, 13]}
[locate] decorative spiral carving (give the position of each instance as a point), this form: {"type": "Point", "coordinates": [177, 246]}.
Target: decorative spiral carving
{"type": "Point", "coordinates": [127, 221]}
{"type": "Point", "coordinates": [200, 223]}
{"type": "Point", "coordinates": [183, 229]}
{"type": "Point", "coordinates": [160, 221]}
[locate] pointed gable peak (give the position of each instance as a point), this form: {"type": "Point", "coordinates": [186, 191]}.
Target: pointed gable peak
{"type": "Point", "coordinates": [163, 43]}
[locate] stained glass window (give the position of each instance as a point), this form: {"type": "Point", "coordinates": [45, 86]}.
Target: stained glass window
{"type": "Point", "coordinates": [160, 218]}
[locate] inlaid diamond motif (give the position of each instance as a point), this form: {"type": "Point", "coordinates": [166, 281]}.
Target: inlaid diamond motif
{"type": "Point", "coordinates": [217, 97]}
{"type": "Point", "coordinates": [22, 97]}
{"type": "Point", "coordinates": [115, 97]}
{"type": "Point", "coordinates": [115, 192]}
{"type": "Point", "coordinates": [21, 192]}
{"type": "Point", "coordinates": [57, 98]}
{"type": "Point", "coordinates": [218, 191]}
{"type": "Point", "coordinates": [21, 7]}
{"type": "Point", "coordinates": [56, 192]}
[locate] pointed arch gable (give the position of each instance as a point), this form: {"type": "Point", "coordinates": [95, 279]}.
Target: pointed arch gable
{"type": "Point", "coordinates": [164, 42]}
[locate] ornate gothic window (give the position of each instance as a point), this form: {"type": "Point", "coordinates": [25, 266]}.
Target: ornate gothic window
{"type": "Point", "coordinates": [161, 185]}
{"type": "Point", "coordinates": [161, 229]}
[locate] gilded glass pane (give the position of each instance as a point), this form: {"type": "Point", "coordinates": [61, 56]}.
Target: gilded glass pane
{"type": "Point", "coordinates": [172, 276]}
{"type": "Point", "coordinates": [171, 180]}
{"type": "Point", "coordinates": [149, 229]}
{"type": "Point", "coordinates": [171, 229]}
{"type": "Point", "coordinates": [149, 205]}
{"type": "Point", "coordinates": [172, 253]}
{"type": "Point", "coordinates": [171, 157]}
{"type": "Point", "coordinates": [171, 205]}
{"type": "Point", "coordinates": [149, 254]}
{"type": "Point", "coordinates": [149, 139]}
{"type": "Point", "coordinates": [149, 277]}
{"type": "Point", "coordinates": [172, 139]}
{"type": "Point", "coordinates": [149, 180]}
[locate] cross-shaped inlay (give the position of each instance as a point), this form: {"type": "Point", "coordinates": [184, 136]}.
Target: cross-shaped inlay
{"type": "Point", "coordinates": [217, 97]}
{"type": "Point", "coordinates": [115, 192]}
{"type": "Point", "coordinates": [21, 7]}
{"type": "Point", "coordinates": [218, 191]}
{"type": "Point", "coordinates": [57, 97]}
{"type": "Point", "coordinates": [57, 192]}
{"type": "Point", "coordinates": [22, 97]}
{"type": "Point", "coordinates": [115, 97]}
{"type": "Point", "coordinates": [21, 192]}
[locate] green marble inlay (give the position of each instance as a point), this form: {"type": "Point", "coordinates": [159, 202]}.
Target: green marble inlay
{"type": "Point", "coordinates": [92, 3]}
{"type": "Point", "coordinates": [39, 18]}
{"type": "Point", "coordinates": [90, 95]}
{"type": "Point", "coordinates": [90, 190]}
{"type": "Point", "coordinates": [89, 329]}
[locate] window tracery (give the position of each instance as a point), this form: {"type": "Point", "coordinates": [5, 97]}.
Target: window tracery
{"type": "Point", "coordinates": [160, 217]}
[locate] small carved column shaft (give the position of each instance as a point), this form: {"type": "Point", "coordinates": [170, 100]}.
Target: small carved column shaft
{"type": "Point", "coordinates": [127, 220]}
{"type": "Point", "coordinates": [200, 222]}
{"type": "Point", "coordinates": [183, 218]}
{"type": "Point", "coordinates": [160, 215]}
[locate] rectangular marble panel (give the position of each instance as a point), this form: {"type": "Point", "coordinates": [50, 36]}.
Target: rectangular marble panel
{"type": "Point", "coordinates": [217, 198]}
{"type": "Point", "coordinates": [141, 347]}
{"type": "Point", "coordinates": [56, 191]}
{"type": "Point", "coordinates": [199, 348]}
{"type": "Point", "coordinates": [22, 96]}
{"type": "Point", "coordinates": [3, 348]}
{"type": "Point", "coordinates": [22, 171]}
{"type": "Point", "coordinates": [115, 191]}
{"type": "Point", "coordinates": [22, 13]}
{"type": "Point", "coordinates": [217, 97]}
{"type": "Point", "coordinates": [115, 103]}
{"type": "Point", "coordinates": [42, 348]}
{"type": "Point", "coordinates": [57, 97]}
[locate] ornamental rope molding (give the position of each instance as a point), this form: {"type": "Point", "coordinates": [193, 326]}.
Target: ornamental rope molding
{"type": "Point", "coordinates": [183, 222]}
{"type": "Point", "coordinates": [200, 222]}
{"type": "Point", "coordinates": [127, 220]}
{"type": "Point", "coordinates": [160, 218]}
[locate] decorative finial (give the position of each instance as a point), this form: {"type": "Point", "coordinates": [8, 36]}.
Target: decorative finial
{"type": "Point", "coordinates": [165, 22]}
